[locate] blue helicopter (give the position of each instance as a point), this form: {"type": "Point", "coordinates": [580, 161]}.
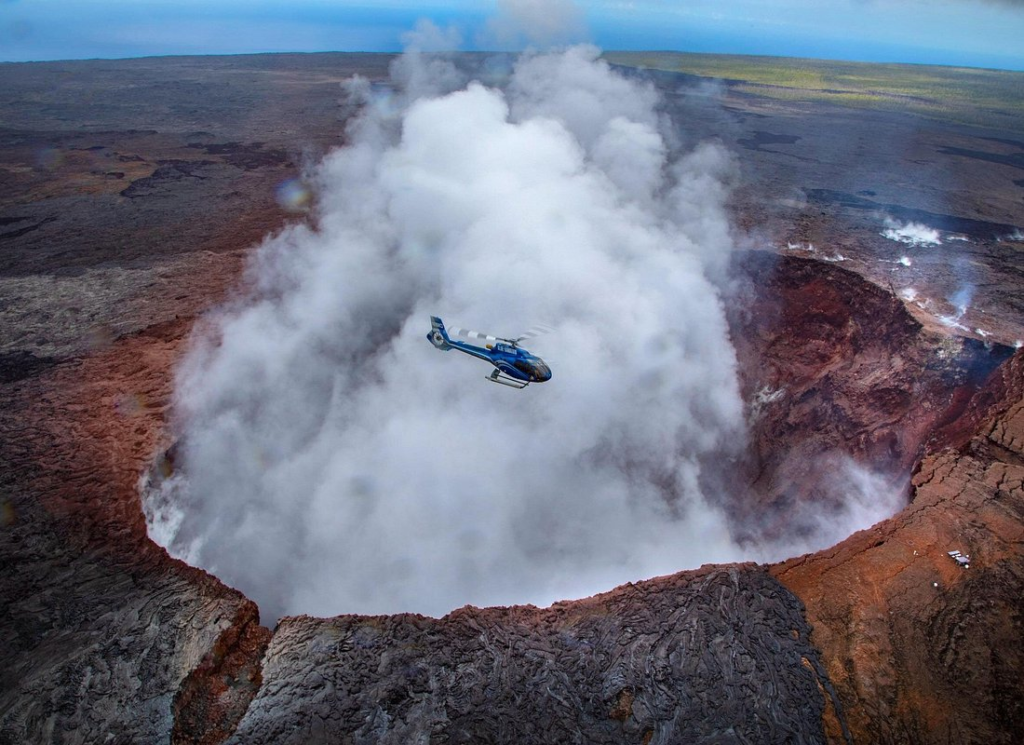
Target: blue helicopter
{"type": "Point", "coordinates": [513, 365]}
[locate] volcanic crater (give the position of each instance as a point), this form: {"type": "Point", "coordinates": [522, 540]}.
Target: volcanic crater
{"type": "Point", "coordinates": [881, 637]}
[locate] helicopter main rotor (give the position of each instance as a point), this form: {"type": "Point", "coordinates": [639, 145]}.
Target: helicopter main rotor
{"type": "Point", "coordinates": [531, 333]}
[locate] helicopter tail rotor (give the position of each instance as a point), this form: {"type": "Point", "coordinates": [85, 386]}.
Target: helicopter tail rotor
{"type": "Point", "coordinates": [437, 334]}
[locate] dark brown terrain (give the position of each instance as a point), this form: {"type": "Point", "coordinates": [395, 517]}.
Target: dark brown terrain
{"type": "Point", "coordinates": [130, 195]}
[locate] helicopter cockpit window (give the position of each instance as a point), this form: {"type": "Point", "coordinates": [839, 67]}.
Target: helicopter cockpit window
{"type": "Point", "coordinates": [524, 367]}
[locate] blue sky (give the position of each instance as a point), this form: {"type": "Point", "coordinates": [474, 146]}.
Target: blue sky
{"type": "Point", "coordinates": [978, 33]}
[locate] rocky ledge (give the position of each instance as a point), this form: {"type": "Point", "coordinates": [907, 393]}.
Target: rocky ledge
{"type": "Point", "coordinates": [716, 655]}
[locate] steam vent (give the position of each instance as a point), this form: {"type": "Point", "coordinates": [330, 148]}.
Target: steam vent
{"type": "Point", "coordinates": [772, 493]}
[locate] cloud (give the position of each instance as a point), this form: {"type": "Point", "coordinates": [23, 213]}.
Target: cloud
{"type": "Point", "coordinates": [427, 36]}
{"type": "Point", "coordinates": [539, 23]}
{"type": "Point", "coordinates": [331, 460]}
{"type": "Point", "coordinates": [335, 461]}
{"type": "Point", "coordinates": [426, 68]}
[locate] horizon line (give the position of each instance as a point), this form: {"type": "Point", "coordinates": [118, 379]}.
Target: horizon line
{"type": "Point", "coordinates": [456, 52]}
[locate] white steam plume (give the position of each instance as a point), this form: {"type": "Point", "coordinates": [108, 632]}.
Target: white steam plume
{"type": "Point", "coordinates": [333, 461]}
{"type": "Point", "coordinates": [846, 497]}
{"type": "Point", "coordinates": [911, 233]}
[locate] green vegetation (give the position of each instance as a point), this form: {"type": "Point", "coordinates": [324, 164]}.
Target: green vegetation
{"type": "Point", "coordinates": [965, 95]}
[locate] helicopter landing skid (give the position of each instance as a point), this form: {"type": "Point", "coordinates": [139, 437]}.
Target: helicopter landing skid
{"type": "Point", "coordinates": [501, 379]}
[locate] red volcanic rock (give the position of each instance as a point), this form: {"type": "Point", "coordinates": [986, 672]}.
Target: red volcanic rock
{"type": "Point", "coordinates": [216, 694]}
{"type": "Point", "coordinates": [102, 630]}
{"type": "Point", "coordinates": [835, 367]}
{"type": "Point", "coordinates": [919, 648]}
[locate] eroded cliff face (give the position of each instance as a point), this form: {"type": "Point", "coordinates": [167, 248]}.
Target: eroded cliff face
{"type": "Point", "coordinates": [833, 367]}
{"type": "Point", "coordinates": [102, 630]}
{"type": "Point", "coordinates": [920, 649]}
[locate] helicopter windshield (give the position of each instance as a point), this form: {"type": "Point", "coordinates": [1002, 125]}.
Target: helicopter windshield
{"type": "Point", "coordinates": [524, 366]}
{"type": "Point", "coordinates": [533, 367]}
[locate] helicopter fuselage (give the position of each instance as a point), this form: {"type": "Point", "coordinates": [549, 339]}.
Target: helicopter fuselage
{"type": "Point", "coordinates": [512, 361]}
{"type": "Point", "coordinates": [509, 360]}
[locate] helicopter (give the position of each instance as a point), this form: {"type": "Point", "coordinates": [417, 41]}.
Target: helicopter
{"type": "Point", "coordinates": [513, 365]}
